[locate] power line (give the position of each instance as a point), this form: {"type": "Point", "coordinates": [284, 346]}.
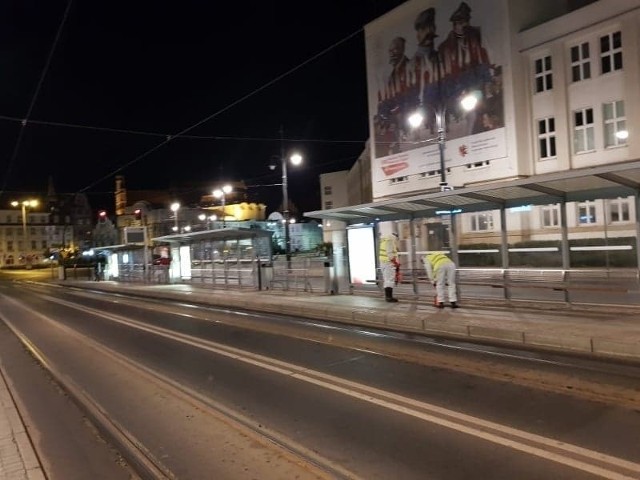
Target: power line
{"type": "Point", "coordinates": [45, 69]}
{"type": "Point", "coordinates": [224, 109]}
{"type": "Point", "coordinates": [165, 135]}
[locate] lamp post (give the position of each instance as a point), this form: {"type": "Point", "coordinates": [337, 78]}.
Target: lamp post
{"type": "Point", "coordinates": [175, 206]}
{"type": "Point", "coordinates": [295, 159]}
{"type": "Point", "coordinates": [416, 119]}
{"type": "Point", "coordinates": [222, 194]}
{"type": "Point", "coordinates": [25, 204]}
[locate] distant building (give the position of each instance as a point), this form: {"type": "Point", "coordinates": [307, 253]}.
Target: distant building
{"type": "Point", "coordinates": [58, 222]}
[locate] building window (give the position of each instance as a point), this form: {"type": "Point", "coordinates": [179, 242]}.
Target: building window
{"type": "Point", "coordinates": [619, 210]}
{"type": "Point", "coordinates": [481, 222]}
{"type": "Point", "coordinates": [580, 64]}
{"type": "Point", "coordinates": [34, 245]}
{"type": "Point", "coordinates": [44, 244]}
{"type": "Point", "coordinates": [328, 205]}
{"type": "Point", "coordinates": [586, 213]}
{"type": "Point", "coordinates": [615, 124]}
{"type": "Point", "coordinates": [583, 130]}
{"type": "Point", "coordinates": [8, 218]}
{"type": "Point", "coordinates": [8, 232]}
{"type": "Point", "coordinates": [547, 137]}
{"type": "Point", "coordinates": [10, 245]}
{"type": "Point", "coordinates": [327, 190]}
{"type": "Point", "coordinates": [550, 216]}
{"type": "Point", "coordinates": [544, 78]}
{"type": "Point", "coordinates": [611, 52]}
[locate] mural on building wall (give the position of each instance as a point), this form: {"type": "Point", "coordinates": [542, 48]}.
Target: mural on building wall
{"type": "Point", "coordinates": [427, 56]}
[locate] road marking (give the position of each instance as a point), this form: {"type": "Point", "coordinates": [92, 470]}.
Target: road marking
{"type": "Point", "coordinates": [589, 460]}
{"type": "Point", "coordinates": [315, 463]}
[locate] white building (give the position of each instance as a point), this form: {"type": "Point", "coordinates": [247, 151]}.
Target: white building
{"type": "Point", "coordinates": [558, 94]}
{"type": "Point", "coordinates": [23, 243]}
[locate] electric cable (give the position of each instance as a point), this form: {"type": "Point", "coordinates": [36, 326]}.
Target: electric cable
{"type": "Point", "coordinates": [164, 135]}
{"type": "Point", "coordinates": [34, 98]}
{"type": "Point", "coordinates": [222, 110]}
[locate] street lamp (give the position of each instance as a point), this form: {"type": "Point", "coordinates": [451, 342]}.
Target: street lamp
{"type": "Point", "coordinates": [416, 119]}
{"type": "Point", "coordinates": [25, 204]}
{"type": "Point", "coordinates": [204, 218]}
{"type": "Point", "coordinates": [175, 206]}
{"type": "Point", "coordinates": [222, 194]}
{"type": "Point", "coordinates": [295, 159]}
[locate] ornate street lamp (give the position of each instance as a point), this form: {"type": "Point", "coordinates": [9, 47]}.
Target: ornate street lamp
{"type": "Point", "coordinates": [416, 119]}
{"type": "Point", "coordinates": [24, 205]}
{"type": "Point", "coordinates": [175, 206]}
{"type": "Point", "coordinates": [222, 193]}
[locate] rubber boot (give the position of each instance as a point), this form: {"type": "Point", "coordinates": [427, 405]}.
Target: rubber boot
{"type": "Point", "coordinates": [388, 295]}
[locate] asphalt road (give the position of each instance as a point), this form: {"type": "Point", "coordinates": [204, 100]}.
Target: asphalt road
{"type": "Point", "coordinates": [216, 394]}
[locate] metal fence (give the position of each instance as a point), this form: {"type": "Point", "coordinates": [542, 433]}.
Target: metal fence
{"type": "Point", "coordinates": [320, 275]}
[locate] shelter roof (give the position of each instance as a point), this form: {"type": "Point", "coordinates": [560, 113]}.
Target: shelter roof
{"type": "Point", "coordinates": [607, 181]}
{"type": "Point", "coordinates": [218, 234]}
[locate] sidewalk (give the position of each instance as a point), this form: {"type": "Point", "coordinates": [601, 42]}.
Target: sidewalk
{"type": "Point", "coordinates": [18, 460]}
{"type": "Point", "coordinates": [611, 332]}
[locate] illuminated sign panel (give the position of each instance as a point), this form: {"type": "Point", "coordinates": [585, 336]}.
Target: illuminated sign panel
{"type": "Point", "coordinates": [362, 255]}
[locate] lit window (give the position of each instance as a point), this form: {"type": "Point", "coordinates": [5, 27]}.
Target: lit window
{"type": "Point", "coordinates": [611, 52]}
{"type": "Point", "coordinates": [619, 210]}
{"type": "Point", "coordinates": [547, 138]}
{"type": "Point", "coordinates": [580, 64]}
{"type": "Point", "coordinates": [615, 124]}
{"type": "Point", "coordinates": [583, 136]}
{"type": "Point", "coordinates": [586, 213]}
{"type": "Point", "coordinates": [550, 216]}
{"type": "Point", "coordinates": [543, 76]}
{"type": "Point", "coordinates": [481, 222]}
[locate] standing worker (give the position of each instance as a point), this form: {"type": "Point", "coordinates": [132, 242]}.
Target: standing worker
{"type": "Point", "coordinates": [388, 257]}
{"type": "Point", "coordinates": [441, 272]}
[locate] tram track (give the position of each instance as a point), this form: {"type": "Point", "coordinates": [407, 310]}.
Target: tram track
{"type": "Point", "coordinates": [144, 462]}
{"type": "Point", "coordinates": [607, 382]}
{"type": "Point", "coordinates": [566, 454]}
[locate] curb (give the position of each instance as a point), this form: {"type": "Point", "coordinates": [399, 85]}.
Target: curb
{"type": "Point", "coordinates": [414, 322]}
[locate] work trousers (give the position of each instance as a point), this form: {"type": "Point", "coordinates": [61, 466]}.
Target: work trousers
{"type": "Point", "coordinates": [446, 277]}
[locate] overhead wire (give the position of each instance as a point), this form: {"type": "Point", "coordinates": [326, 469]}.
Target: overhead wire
{"type": "Point", "coordinates": [164, 135]}
{"type": "Point", "coordinates": [34, 98]}
{"type": "Point", "coordinates": [169, 138]}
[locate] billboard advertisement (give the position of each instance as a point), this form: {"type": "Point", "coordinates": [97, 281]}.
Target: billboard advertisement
{"type": "Point", "coordinates": [361, 246]}
{"type": "Point", "coordinates": [427, 56]}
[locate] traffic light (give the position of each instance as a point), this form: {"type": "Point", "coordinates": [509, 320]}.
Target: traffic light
{"type": "Point", "coordinates": [138, 213]}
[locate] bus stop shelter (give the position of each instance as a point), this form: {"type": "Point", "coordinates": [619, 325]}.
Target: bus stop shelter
{"type": "Point", "coordinates": [227, 254]}
{"type": "Point", "coordinates": [602, 182]}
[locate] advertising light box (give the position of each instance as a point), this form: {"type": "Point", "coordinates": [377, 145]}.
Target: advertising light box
{"type": "Point", "coordinates": [362, 255]}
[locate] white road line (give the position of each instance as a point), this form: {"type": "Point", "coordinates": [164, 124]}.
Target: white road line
{"type": "Point", "coordinates": [503, 435]}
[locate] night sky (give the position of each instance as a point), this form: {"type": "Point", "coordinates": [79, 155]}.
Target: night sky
{"type": "Point", "coordinates": [161, 67]}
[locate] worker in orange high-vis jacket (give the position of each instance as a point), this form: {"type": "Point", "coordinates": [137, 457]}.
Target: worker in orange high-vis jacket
{"type": "Point", "coordinates": [442, 273]}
